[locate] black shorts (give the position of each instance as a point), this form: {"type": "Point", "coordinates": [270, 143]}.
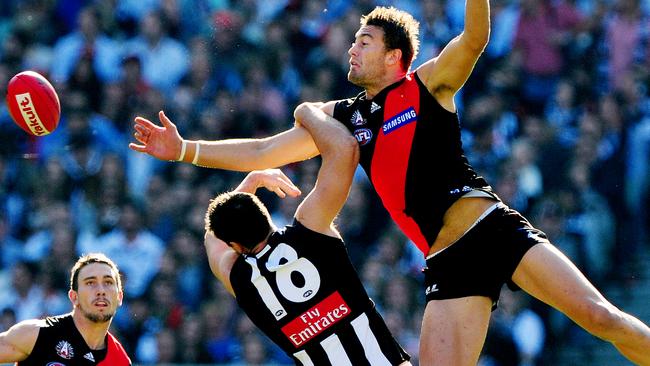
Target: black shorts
{"type": "Point", "coordinates": [485, 258]}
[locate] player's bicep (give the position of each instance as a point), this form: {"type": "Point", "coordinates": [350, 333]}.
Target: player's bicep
{"type": "Point", "coordinates": [221, 259]}
{"type": "Point", "coordinates": [18, 342]}
{"type": "Point", "coordinates": [447, 73]}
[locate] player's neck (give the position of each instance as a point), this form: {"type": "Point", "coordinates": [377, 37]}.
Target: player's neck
{"type": "Point", "coordinates": [94, 334]}
{"type": "Point", "coordinates": [390, 78]}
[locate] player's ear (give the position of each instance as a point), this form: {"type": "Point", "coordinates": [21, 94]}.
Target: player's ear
{"type": "Point", "coordinates": [72, 295]}
{"type": "Point", "coordinates": [393, 57]}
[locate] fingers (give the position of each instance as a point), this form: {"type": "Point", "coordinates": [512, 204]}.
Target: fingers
{"type": "Point", "coordinates": [287, 185]}
{"type": "Point", "coordinates": [166, 122]}
{"type": "Point", "coordinates": [141, 134]}
{"type": "Point", "coordinates": [279, 192]}
{"type": "Point", "coordinates": [138, 148]}
{"type": "Point", "coordinates": [144, 123]}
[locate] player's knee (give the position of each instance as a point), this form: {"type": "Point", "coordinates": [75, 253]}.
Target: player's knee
{"type": "Point", "coordinates": [604, 320]}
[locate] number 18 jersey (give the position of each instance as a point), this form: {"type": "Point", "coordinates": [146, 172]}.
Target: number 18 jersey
{"type": "Point", "coordinates": [302, 291]}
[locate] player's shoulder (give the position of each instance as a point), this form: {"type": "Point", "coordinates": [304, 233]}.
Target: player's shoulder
{"type": "Point", "coordinates": [23, 335]}
{"type": "Point", "coordinates": [32, 327]}
{"type": "Point", "coordinates": [31, 324]}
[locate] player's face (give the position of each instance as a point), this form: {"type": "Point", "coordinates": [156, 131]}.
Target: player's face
{"type": "Point", "coordinates": [367, 56]}
{"type": "Point", "coordinates": [98, 295]}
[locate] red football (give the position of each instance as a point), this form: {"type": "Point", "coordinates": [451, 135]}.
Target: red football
{"type": "Point", "coordinates": [33, 103]}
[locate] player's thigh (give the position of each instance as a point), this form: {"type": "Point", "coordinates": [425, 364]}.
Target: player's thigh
{"type": "Point", "coordinates": [454, 330]}
{"type": "Point", "coordinates": [548, 275]}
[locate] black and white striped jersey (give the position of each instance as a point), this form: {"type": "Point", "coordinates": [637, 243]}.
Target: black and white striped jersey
{"type": "Point", "coordinates": [303, 292]}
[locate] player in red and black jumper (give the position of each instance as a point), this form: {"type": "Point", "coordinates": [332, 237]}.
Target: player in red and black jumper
{"type": "Point", "coordinates": [408, 131]}
{"type": "Point", "coordinates": [80, 337]}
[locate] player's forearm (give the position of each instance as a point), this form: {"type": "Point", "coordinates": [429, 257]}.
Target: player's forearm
{"type": "Point", "coordinates": [251, 154]}
{"type": "Point", "coordinates": [477, 23]}
{"type": "Point", "coordinates": [236, 154]}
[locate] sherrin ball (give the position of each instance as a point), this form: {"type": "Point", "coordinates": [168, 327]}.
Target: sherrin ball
{"type": "Point", "coordinates": [33, 103]}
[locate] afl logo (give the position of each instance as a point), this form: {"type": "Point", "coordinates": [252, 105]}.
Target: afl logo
{"type": "Point", "coordinates": [363, 136]}
{"type": "Point", "coordinates": [55, 364]}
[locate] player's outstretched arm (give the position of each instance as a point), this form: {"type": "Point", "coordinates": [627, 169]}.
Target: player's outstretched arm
{"type": "Point", "coordinates": [165, 143]}
{"type": "Point", "coordinates": [17, 342]}
{"type": "Point", "coordinates": [445, 74]}
{"type": "Point", "coordinates": [340, 155]}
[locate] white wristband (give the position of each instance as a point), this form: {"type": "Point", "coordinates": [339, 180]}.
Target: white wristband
{"type": "Point", "coordinates": [183, 149]}
{"type": "Point", "coordinates": [196, 153]}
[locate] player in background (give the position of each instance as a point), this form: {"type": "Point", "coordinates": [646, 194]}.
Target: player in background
{"type": "Point", "coordinates": [80, 337]}
{"type": "Point", "coordinates": [297, 284]}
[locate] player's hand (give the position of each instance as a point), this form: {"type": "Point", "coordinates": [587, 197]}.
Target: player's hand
{"type": "Point", "coordinates": [163, 142]}
{"type": "Point", "coordinates": [272, 179]}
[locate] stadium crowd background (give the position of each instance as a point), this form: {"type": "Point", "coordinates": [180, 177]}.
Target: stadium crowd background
{"type": "Point", "coordinates": [556, 115]}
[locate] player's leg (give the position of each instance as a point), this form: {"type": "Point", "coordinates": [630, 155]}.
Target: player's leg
{"type": "Point", "coordinates": [454, 330]}
{"type": "Point", "coordinates": [547, 274]}
{"type": "Point", "coordinates": [462, 285]}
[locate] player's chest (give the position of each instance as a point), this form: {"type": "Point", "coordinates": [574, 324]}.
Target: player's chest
{"type": "Point", "coordinates": [373, 121]}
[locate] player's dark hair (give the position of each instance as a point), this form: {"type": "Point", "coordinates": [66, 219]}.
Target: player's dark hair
{"type": "Point", "coordinates": [90, 259]}
{"type": "Point", "coordinates": [401, 31]}
{"type": "Point", "coordinates": [238, 217]}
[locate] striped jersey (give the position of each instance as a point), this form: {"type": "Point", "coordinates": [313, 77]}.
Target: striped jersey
{"type": "Point", "coordinates": [302, 291]}
{"type": "Point", "coordinates": [411, 150]}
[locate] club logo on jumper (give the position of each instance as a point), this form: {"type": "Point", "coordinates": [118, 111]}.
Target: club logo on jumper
{"type": "Point", "coordinates": [363, 136]}
{"type": "Point", "coordinates": [89, 356]}
{"type": "Point", "coordinates": [401, 119]}
{"type": "Point", "coordinates": [65, 350]}
{"type": "Point", "coordinates": [374, 107]}
{"type": "Point", "coordinates": [28, 111]}
{"type": "Point", "coordinates": [357, 119]}
{"type": "Point", "coordinates": [431, 289]}
{"type": "Point", "coordinates": [316, 320]}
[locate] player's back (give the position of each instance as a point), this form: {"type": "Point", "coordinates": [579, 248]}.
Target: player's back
{"type": "Point", "coordinates": [304, 293]}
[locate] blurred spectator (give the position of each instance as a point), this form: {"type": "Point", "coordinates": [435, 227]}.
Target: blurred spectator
{"type": "Point", "coordinates": [87, 42]}
{"type": "Point", "coordinates": [627, 40]}
{"type": "Point", "coordinates": [544, 28]}
{"type": "Point", "coordinates": [517, 334]}
{"type": "Point", "coordinates": [127, 245]}
{"type": "Point", "coordinates": [190, 272]}
{"type": "Point", "coordinates": [10, 247]}
{"type": "Point", "coordinates": [25, 297]}
{"type": "Point", "coordinates": [164, 60]}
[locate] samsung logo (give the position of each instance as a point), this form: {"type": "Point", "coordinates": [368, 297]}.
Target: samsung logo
{"type": "Point", "coordinates": [401, 119]}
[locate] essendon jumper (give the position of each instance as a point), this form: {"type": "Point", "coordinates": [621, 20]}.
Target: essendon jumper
{"type": "Point", "coordinates": [407, 139]}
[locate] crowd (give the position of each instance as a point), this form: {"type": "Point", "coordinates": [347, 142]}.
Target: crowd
{"type": "Point", "coordinates": [556, 115]}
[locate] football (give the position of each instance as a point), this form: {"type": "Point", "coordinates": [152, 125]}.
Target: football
{"type": "Point", "coordinates": [33, 103]}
